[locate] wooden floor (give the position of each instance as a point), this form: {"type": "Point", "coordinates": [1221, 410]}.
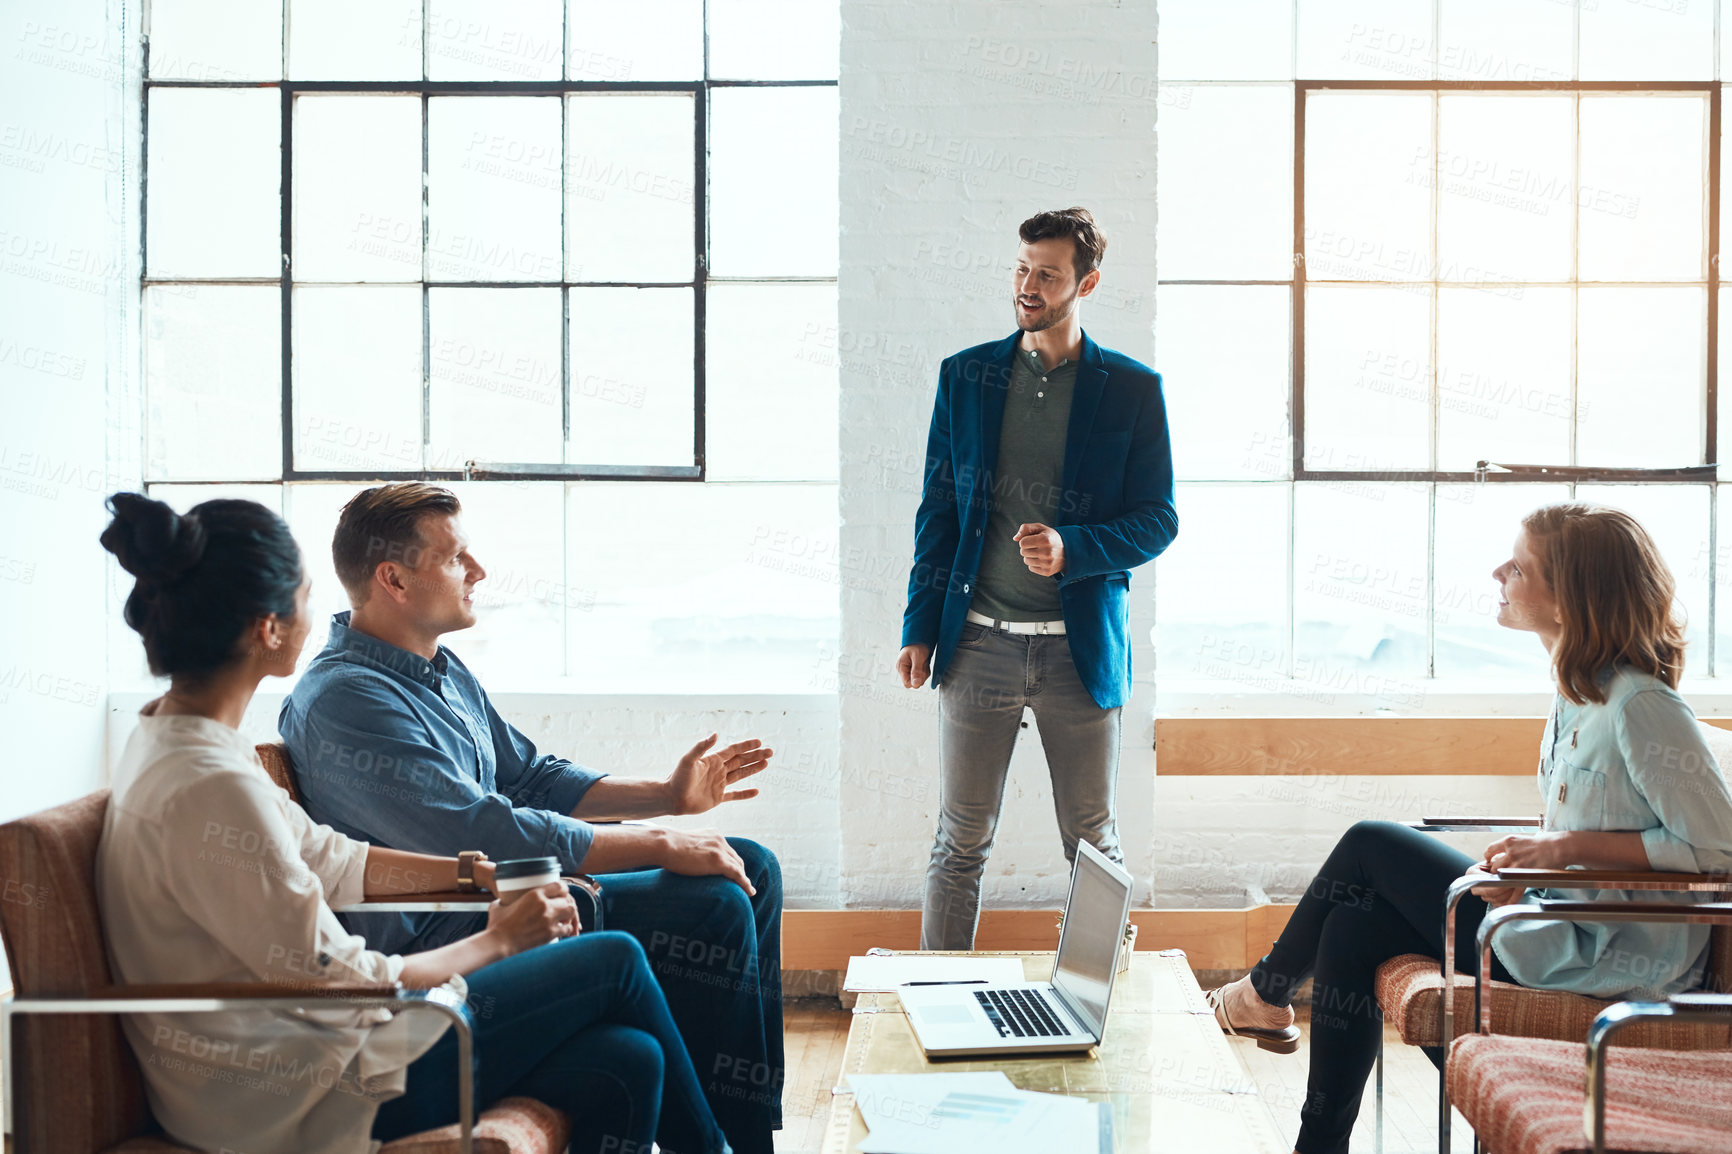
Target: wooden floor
{"type": "Point", "coordinates": [817, 1031]}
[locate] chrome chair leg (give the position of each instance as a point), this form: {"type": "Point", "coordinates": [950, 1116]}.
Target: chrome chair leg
{"type": "Point", "coordinates": [1379, 1143]}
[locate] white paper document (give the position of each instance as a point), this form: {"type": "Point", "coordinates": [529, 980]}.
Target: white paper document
{"type": "Point", "coordinates": [880, 972]}
{"type": "Point", "coordinates": [940, 1113]}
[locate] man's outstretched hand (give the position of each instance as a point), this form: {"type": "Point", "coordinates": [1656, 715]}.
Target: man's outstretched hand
{"type": "Point", "coordinates": [703, 780]}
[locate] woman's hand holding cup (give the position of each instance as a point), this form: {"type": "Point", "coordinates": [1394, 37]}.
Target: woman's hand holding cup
{"type": "Point", "coordinates": [533, 917]}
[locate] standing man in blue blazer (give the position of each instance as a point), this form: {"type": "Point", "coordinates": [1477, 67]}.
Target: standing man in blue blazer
{"type": "Point", "coordinates": [1049, 476]}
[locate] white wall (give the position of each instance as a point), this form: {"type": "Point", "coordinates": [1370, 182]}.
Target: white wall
{"type": "Point", "coordinates": [959, 121]}
{"type": "Point", "coordinates": [68, 280]}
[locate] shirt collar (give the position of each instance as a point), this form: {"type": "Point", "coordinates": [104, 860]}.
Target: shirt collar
{"type": "Point", "coordinates": [369, 649]}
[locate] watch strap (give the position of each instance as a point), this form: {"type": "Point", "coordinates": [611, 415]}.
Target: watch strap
{"type": "Point", "coordinates": [466, 870]}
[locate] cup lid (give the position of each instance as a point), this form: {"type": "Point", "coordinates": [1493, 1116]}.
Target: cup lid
{"type": "Point", "coordinates": [526, 867]}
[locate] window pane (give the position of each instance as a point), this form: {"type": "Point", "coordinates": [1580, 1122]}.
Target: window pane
{"type": "Point", "coordinates": [213, 372]}
{"type": "Point", "coordinates": [312, 516]}
{"type": "Point", "coordinates": [774, 39]}
{"type": "Point", "coordinates": [1642, 376]}
{"type": "Point", "coordinates": [643, 40]}
{"type": "Point", "coordinates": [494, 376]}
{"type": "Point", "coordinates": [1501, 40]}
{"type": "Point", "coordinates": [1221, 602]}
{"type": "Point", "coordinates": [340, 40]}
{"type": "Point", "coordinates": [1503, 377]}
{"type": "Point", "coordinates": [357, 188]}
{"type": "Point", "coordinates": [1677, 518]}
{"type": "Point", "coordinates": [1365, 39]}
{"type": "Point", "coordinates": [1225, 349]}
{"type": "Point", "coordinates": [493, 188]}
{"type": "Point", "coordinates": [629, 214]}
{"type": "Point", "coordinates": [1207, 40]}
{"type": "Point", "coordinates": [631, 377]}
{"type": "Point", "coordinates": [770, 386]}
{"type": "Point", "coordinates": [494, 39]}
{"type": "Point", "coordinates": [1504, 168]}
{"type": "Point", "coordinates": [1660, 40]}
{"type": "Point", "coordinates": [1360, 598]}
{"type": "Point", "coordinates": [1644, 187]}
{"type": "Point", "coordinates": [514, 530]}
{"type": "Point", "coordinates": [782, 139]}
{"type": "Point", "coordinates": [181, 498]}
{"type": "Point", "coordinates": [216, 40]}
{"type": "Point", "coordinates": [1367, 378]}
{"type": "Point", "coordinates": [1225, 172]}
{"type": "Point", "coordinates": [358, 378]}
{"type": "Point", "coordinates": [214, 212]}
{"type": "Point", "coordinates": [1367, 212]}
{"type": "Point", "coordinates": [706, 587]}
{"type": "Point", "coordinates": [1476, 529]}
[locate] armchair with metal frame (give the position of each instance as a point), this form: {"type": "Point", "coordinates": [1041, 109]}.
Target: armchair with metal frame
{"type": "Point", "coordinates": [72, 1084]}
{"type": "Point", "coordinates": [1418, 993]}
{"type": "Point", "coordinates": [1527, 1095]}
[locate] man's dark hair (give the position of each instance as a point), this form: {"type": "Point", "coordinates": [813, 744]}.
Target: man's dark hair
{"type": "Point", "coordinates": [1076, 223]}
{"type": "Point", "coordinates": [203, 578]}
{"type": "Point", "coordinates": [384, 524]}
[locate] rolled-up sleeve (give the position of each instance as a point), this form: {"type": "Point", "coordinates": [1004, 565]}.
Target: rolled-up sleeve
{"type": "Point", "coordinates": [366, 760]}
{"type": "Point", "coordinates": [1677, 774]}
{"type": "Point", "coordinates": [537, 780]}
{"type": "Point", "coordinates": [247, 885]}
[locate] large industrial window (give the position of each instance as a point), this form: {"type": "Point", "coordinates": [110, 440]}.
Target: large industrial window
{"type": "Point", "coordinates": [544, 251]}
{"type": "Point", "coordinates": [1423, 267]}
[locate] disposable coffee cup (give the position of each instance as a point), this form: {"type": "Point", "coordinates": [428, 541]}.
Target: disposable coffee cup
{"type": "Point", "coordinates": [513, 879]}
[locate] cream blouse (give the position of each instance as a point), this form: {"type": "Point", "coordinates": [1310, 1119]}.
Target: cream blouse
{"type": "Point", "coordinates": [208, 872]}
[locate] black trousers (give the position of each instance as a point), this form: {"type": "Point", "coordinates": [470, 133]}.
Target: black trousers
{"type": "Point", "coordinates": [1379, 895]}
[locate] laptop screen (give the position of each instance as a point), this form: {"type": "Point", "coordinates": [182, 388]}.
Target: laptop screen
{"type": "Point", "coordinates": [1094, 921]}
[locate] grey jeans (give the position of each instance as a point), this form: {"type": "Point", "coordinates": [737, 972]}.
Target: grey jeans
{"type": "Point", "coordinates": [992, 675]}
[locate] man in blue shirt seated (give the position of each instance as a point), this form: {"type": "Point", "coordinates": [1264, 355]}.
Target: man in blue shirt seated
{"type": "Point", "coordinates": [394, 742]}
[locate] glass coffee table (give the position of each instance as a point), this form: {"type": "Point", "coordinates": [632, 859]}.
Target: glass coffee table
{"type": "Point", "coordinates": [1170, 1075]}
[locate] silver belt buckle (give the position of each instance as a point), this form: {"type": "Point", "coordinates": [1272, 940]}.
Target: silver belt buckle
{"type": "Point", "coordinates": [1040, 627]}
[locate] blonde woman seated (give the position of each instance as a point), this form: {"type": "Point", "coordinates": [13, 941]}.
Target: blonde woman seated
{"type": "Point", "coordinates": [1588, 581]}
{"type": "Point", "coordinates": [207, 872]}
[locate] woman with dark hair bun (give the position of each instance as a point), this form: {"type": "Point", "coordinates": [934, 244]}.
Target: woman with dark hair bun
{"type": "Point", "coordinates": [208, 872]}
{"type": "Point", "coordinates": [1627, 780]}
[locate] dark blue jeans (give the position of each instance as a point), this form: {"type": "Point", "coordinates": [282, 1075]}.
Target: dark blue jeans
{"type": "Point", "coordinates": [717, 955]}
{"type": "Point", "coordinates": [581, 1025]}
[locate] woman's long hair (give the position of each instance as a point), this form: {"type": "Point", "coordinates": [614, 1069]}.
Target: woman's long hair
{"type": "Point", "coordinates": [1614, 595]}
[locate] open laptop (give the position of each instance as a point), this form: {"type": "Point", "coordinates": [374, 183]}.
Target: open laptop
{"type": "Point", "coordinates": [1066, 1014]}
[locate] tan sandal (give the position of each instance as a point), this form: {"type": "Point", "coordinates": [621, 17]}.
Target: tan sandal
{"type": "Point", "coordinates": [1283, 1041]}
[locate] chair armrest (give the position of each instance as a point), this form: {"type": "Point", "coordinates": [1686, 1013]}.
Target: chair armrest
{"type": "Point", "coordinates": [1697, 1006]}
{"type": "Point", "coordinates": [1704, 913]}
{"type": "Point", "coordinates": [1474, 824]}
{"type": "Point", "coordinates": [445, 902]}
{"type": "Point", "coordinates": [217, 997]}
{"type": "Point", "coordinates": [1591, 879]}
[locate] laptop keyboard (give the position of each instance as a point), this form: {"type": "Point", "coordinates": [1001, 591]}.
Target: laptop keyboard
{"type": "Point", "coordinates": [1021, 1014]}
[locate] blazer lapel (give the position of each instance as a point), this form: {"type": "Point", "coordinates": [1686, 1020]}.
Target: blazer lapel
{"type": "Point", "coordinates": [1091, 382]}
{"type": "Point", "coordinates": [994, 388]}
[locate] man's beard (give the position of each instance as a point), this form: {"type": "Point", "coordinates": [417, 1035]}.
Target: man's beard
{"type": "Point", "coordinates": [1049, 317]}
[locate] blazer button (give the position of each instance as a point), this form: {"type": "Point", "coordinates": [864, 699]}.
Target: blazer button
{"type": "Point", "coordinates": [965, 589]}
{"type": "Point", "coordinates": [977, 532]}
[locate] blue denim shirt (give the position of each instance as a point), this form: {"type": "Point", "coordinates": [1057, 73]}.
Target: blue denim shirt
{"type": "Point", "coordinates": [1640, 762]}
{"type": "Point", "coordinates": [399, 751]}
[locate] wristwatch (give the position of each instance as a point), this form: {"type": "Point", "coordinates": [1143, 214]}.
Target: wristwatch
{"type": "Point", "coordinates": [466, 870]}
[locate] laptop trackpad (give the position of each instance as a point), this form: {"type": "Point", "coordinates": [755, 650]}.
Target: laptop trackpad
{"type": "Point", "coordinates": [945, 1015]}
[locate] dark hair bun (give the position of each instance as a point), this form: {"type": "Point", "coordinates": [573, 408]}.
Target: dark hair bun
{"type": "Point", "coordinates": [151, 540]}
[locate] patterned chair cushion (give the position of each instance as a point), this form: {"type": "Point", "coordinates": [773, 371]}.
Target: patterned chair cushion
{"type": "Point", "coordinates": [1527, 1096]}
{"type": "Point", "coordinates": [1410, 990]}
{"type": "Point", "coordinates": [510, 1126]}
